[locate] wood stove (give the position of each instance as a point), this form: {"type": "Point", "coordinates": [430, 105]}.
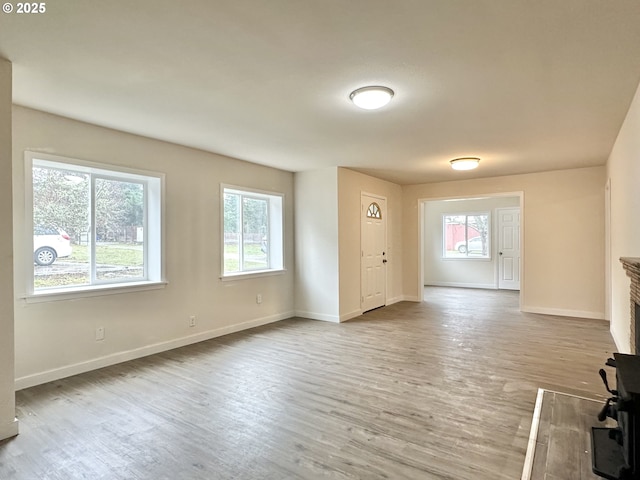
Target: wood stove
{"type": "Point", "coordinates": [616, 451]}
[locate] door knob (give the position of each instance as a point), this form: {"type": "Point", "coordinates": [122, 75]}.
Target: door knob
{"type": "Point", "coordinates": [384, 260]}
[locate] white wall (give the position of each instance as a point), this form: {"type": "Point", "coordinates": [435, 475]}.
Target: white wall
{"type": "Point", "coordinates": [54, 339]}
{"type": "Point", "coordinates": [465, 272]}
{"type": "Point", "coordinates": [316, 232]}
{"type": "Point", "coordinates": [623, 169]}
{"type": "Point", "coordinates": [350, 186]}
{"type": "Point", "coordinates": [562, 234]}
{"type": "Point", "coordinates": [8, 423]}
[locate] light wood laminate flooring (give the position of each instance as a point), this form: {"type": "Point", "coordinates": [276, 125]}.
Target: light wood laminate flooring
{"type": "Point", "coordinates": [443, 389]}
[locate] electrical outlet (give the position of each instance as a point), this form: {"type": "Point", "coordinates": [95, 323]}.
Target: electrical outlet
{"type": "Point", "coordinates": [259, 298]}
{"type": "Point", "coordinates": [192, 321]}
{"type": "Point", "coordinates": [99, 334]}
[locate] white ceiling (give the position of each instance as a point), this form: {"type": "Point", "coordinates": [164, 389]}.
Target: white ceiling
{"type": "Point", "coordinates": [526, 85]}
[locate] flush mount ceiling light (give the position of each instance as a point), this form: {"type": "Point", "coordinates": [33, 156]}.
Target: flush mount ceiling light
{"type": "Point", "coordinates": [464, 163]}
{"type": "Point", "coordinates": [371, 98]}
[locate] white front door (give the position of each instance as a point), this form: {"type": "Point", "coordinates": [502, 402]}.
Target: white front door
{"type": "Point", "coordinates": [509, 248]}
{"type": "Point", "coordinates": [373, 240]}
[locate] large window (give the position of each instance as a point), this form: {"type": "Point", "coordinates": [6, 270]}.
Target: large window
{"type": "Point", "coordinates": [92, 226]}
{"type": "Point", "coordinates": [466, 236]}
{"type": "Point", "coordinates": [252, 229]}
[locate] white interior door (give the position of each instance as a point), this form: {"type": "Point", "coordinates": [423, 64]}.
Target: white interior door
{"type": "Point", "coordinates": [509, 248]}
{"type": "Point", "coordinates": [373, 241]}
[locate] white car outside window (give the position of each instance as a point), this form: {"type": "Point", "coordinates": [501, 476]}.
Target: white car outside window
{"type": "Point", "coordinates": [50, 243]}
{"type": "Point", "coordinates": [472, 245]}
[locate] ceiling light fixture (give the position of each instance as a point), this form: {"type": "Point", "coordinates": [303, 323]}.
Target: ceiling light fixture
{"type": "Point", "coordinates": [464, 163]}
{"type": "Point", "coordinates": [371, 98]}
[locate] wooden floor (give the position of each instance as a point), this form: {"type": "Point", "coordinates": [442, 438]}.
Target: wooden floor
{"type": "Point", "coordinates": [439, 390]}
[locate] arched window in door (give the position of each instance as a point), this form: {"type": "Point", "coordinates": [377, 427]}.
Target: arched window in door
{"type": "Point", "coordinates": [374, 211]}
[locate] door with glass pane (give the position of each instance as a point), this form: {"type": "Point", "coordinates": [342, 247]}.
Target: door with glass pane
{"type": "Point", "coordinates": [374, 255]}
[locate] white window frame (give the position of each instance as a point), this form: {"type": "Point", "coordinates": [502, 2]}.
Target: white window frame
{"type": "Point", "coordinates": [153, 227]}
{"type": "Point", "coordinates": [275, 231]}
{"type": "Point", "coordinates": [467, 257]}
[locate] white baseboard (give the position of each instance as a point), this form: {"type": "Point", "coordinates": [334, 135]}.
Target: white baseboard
{"type": "Point", "coordinates": [350, 315]}
{"type": "Point", "coordinates": [345, 316]}
{"type": "Point", "coordinates": [10, 429]}
{"type": "Point", "coordinates": [93, 364]}
{"type": "Point", "coordinates": [621, 346]}
{"type": "Point", "coordinates": [398, 299]}
{"type": "Point", "coordinates": [561, 312]}
{"type": "Point", "coordinates": [411, 298]}
{"type": "Point", "coordinates": [488, 286]}
{"type": "Point", "coordinates": [318, 316]}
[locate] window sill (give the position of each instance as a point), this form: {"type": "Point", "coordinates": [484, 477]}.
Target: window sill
{"type": "Point", "coordinates": [52, 295]}
{"type": "Point", "coordinates": [254, 274]}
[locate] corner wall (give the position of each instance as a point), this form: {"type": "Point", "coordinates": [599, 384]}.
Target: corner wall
{"type": "Point", "coordinates": [316, 232]}
{"type": "Point", "coordinates": [57, 338]}
{"type": "Point", "coordinates": [623, 168]}
{"type": "Point", "coordinates": [562, 236]}
{"type": "Point", "coordinates": [8, 422]}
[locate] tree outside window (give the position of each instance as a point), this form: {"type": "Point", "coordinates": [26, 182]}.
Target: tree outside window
{"type": "Point", "coordinates": [90, 225]}
{"type": "Point", "coordinates": [252, 235]}
{"type": "Point", "coordinates": [466, 235]}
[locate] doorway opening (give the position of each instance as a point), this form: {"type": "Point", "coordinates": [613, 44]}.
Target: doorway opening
{"type": "Point", "coordinates": [472, 242]}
